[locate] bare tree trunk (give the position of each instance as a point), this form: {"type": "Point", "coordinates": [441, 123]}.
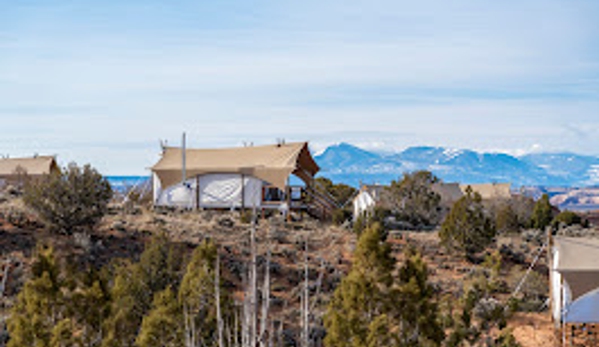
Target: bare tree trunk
{"type": "Point", "coordinates": [5, 278]}
{"type": "Point", "coordinates": [253, 288]}
{"type": "Point", "coordinates": [306, 303]}
{"type": "Point", "coordinates": [271, 334]}
{"type": "Point", "coordinates": [236, 328]}
{"type": "Point", "coordinates": [265, 300]}
{"type": "Point", "coordinates": [245, 323]}
{"type": "Point", "coordinates": [219, 317]}
{"type": "Point", "coordinates": [318, 285]}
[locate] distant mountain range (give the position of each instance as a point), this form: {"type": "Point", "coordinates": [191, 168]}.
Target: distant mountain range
{"type": "Point", "coordinates": [351, 165]}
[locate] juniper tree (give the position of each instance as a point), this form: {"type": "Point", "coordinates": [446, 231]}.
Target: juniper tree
{"type": "Point", "coordinates": [133, 289]}
{"type": "Point", "coordinates": [363, 295]}
{"type": "Point", "coordinates": [89, 306]}
{"type": "Point", "coordinates": [542, 214]}
{"type": "Point", "coordinates": [506, 219]}
{"type": "Point", "coordinates": [418, 314]}
{"type": "Point", "coordinates": [467, 228]}
{"type": "Point", "coordinates": [413, 200]}
{"type": "Point", "coordinates": [40, 304]}
{"type": "Point", "coordinates": [75, 199]}
{"type": "Point", "coordinates": [162, 325]}
{"type": "Point", "coordinates": [372, 307]}
{"type": "Point", "coordinates": [197, 296]}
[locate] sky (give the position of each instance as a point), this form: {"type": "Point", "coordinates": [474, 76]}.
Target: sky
{"type": "Point", "coordinates": [105, 82]}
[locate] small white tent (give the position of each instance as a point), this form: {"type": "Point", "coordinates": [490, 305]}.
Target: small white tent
{"type": "Point", "coordinates": [366, 199]}
{"type": "Point", "coordinates": [575, 280]}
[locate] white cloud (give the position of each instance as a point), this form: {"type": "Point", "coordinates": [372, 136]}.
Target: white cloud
{"type": "Point", "coordinates": [105, 83]}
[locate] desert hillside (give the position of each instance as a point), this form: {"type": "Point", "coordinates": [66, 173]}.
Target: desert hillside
{"type": "Point", "coordinates": [125, 230]}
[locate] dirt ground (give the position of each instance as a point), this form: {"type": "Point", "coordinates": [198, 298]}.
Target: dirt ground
{"type": "Point", "coordinates": [533, 329]}
{"type": "Point", "coordinates": [123, 232]}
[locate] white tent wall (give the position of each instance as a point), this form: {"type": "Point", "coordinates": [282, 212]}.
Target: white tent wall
{"type": "Point", "coordinates": [363, 202]}
{"type": "Point", "coordinates": [226, 190]}
{"type": "Point", "coordinates": [156, 188]}
{"type": "Point", "coordinates": [216, 191]}
{"type": "Point", "coordinates": [179, 195]}
{"type": "Point", "coordinates": [556, 288]}
{"type": "Point", "coordinates": [573, 280]}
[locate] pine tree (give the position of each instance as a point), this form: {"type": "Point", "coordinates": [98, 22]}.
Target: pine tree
{"type": "Point", "coordinates": [467, 228]}
{"type": "Point", "coordinates": [413, 200]}
{"type": "Point", "coordinates": [363, 295]}
{"type": "Point", "coordinates": [371, 307]}
{"type": "Point", "coordinates": [89, 306]}
{"type": "Point", "coordinates": [162, 326]}
{"type": "Point", "coordinates": [62, 334]}
{"type": "Point", "coordinates": [197, 296]}
{"type": "Point", "coordinates": [506, 219]}
{"type": "Point", "coordinates": [419, 317]}
{"type": "Point", "coordinates": [39, 305]}
{"type": "Point", "coordinates": [125, 314]}
{"type": "Point", "coordinates": [133, 289]}
{"type": "Point", "coordinates": [542, 214]}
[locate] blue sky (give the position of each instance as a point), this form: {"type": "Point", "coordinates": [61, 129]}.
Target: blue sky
{"type": "Point", "coordinates": [102, 82]}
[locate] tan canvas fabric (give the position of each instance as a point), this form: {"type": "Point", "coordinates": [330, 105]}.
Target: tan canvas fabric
{"type": "Point", "coordinates": [449, 192]}
{"type": "Point", "coordinates": [35, 166]}
{"type": "Point", "coordinates": [578, 262]}
{"type": "Point", "coordinates": [272, 163]}
{"type": "Point", "coordinates": [490, 190]}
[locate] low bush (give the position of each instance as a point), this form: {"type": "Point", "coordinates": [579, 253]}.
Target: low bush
{"type": "Point", "coordinates": [71, 201]}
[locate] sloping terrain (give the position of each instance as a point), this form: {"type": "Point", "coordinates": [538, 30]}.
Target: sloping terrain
{"type": "Point", "coordinates": [123, 232]}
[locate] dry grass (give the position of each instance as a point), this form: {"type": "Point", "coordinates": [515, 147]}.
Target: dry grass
{"type": "Point", "coordinates": [123, 233]}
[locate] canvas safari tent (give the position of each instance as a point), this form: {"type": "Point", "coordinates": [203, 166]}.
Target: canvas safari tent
{"type": "Point", "coordinates": [16, 170]}
{"type": "Point", "coordinates": [575, 280]}
{"type": "Point", "coordinates": [366, 199]}
{"type": "Point", "coordinates": [244, 177]}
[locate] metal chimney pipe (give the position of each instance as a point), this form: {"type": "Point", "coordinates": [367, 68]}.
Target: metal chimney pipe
{"type": "Point", "coordinates": [183, 159]}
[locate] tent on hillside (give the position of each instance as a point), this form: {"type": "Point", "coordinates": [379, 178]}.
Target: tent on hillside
{"type": "Point", "coordinates": [245, 177]}
{"type": "Point", "coordinates": [16, 170]}
{"type": "Point", "coordinates": [575, 280]}
{"type": "Point", "coordinates": [367, 198]}
{"type": "Point", "coordinates": [489, 191]}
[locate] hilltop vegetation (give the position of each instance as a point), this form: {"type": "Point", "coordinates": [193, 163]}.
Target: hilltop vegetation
{"type": "Point", "coordinates": [144, 277]}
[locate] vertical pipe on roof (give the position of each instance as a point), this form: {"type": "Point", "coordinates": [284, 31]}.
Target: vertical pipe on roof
{"type": "Point", "coordinates": [183, 163]}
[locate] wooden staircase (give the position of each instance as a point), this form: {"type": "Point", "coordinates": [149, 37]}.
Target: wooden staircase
{"type": "Point", "coordinates": [320, 204]}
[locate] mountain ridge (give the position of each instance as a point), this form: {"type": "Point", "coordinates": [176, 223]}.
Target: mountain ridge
{"type": "Point", "coordinates": [350, 164]}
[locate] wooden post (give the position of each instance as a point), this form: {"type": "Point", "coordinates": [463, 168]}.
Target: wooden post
{"type": "Point", "coordinates": [288, 198]}
{"type": "Point", "coordinates": [197, 192]}
{"type": "Point", "coordinates": [242, 193]}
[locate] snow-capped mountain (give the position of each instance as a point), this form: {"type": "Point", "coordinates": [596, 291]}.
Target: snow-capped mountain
{"type": "Point", "coordinates": [352, 165]}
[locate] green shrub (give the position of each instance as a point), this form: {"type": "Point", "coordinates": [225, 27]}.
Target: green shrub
{"type": "Point", "coordinates": [341, 215]}
{"type": "Point", "coordinates": [542, 214]}
{"type": "Point", "coordinates": [246, 216]}
{"type": "Point", "coordinates": [567, 218]}
{"type": "Point", "coordinates": [467, 228]}
{"type": "Point", "coordinates": [73, 200]}
{"type": "Point", "coordinates": [360, 224]}
{"type": "Point", "coordinates": [413, 200]}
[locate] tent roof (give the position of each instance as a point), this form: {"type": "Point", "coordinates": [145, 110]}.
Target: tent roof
{"type": "Point", "coordinates": [578, 262]}
{"type": "Point", "coordinates": [490, 190]}
{"type": "Point", "coordinates": [449, 192]}
{"type": "Point", "coordinates": [584, 309]}
{"type": "Point", "coordinates": [577, 254]}
{"type": "Point", "coordinates": [40, 165]}
{"type": "Point", "coordinates": [272, 163]}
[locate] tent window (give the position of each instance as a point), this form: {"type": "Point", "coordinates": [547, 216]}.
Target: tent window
{"type": "Point", "coordinates": [273, 194]}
